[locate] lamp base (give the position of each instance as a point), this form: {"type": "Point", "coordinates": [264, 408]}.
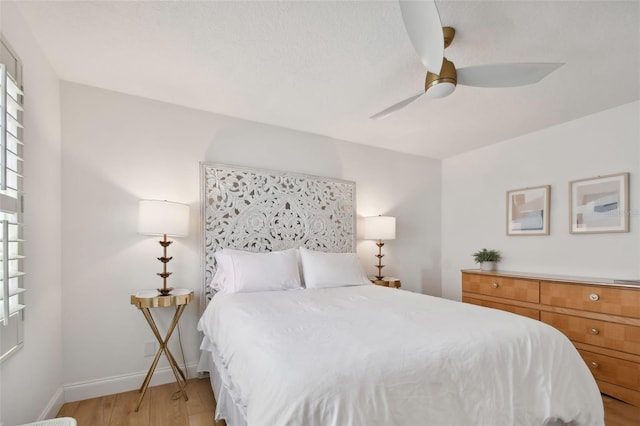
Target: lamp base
{"type": "Point", "coordinates": [165, 291]}
{"type": "Point", "coordinates": [379, 277]}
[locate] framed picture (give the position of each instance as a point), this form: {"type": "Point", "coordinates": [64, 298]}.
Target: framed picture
{"type": "Point", "coordinates": [528, 211]}
{"type": "Point", "coordinates": [599, 204]}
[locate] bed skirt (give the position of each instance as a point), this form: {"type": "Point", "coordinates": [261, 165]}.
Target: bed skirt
{"type": "Point", "coordinates": [226, 408]}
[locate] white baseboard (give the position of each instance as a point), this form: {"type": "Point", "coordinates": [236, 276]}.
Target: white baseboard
{"type": "Point", "coordinates": [54, 405]}
{"type": "Point", "coordinates": [117, 384]}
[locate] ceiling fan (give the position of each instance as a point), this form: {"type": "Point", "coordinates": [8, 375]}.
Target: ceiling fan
{"type": "Point", "coordinates": [429, 39]}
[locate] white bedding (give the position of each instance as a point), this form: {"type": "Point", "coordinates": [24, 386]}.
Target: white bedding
{"type": "Point", "coordinates": [370, 355]}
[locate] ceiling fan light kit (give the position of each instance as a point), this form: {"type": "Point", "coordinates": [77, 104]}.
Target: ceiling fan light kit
{"type": "Point", "coordinates": [439, 86]}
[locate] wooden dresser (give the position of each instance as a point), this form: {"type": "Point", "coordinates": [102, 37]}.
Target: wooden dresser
{"type": "Point", "coordinates": [601, 317]}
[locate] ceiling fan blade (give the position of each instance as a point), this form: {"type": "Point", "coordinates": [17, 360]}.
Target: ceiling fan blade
{"type": "Point", "coordinates": [505, 75]}
{"type": "Point", "coordinates": [385, 113]}
{"type": "Point", "coordinates": [422, 22]}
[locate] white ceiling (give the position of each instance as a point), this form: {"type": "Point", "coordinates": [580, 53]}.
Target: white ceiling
{"type": "Point", "coordinates": [325, 67]}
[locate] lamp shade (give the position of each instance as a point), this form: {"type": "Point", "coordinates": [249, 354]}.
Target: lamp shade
{"type": "Point", "coordinates": [379, 228]}
{"type": "Point", "coordinates": [163, 218]}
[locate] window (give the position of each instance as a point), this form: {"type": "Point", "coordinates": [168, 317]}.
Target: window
{"type": "Point", "coordinates": [11, 166]}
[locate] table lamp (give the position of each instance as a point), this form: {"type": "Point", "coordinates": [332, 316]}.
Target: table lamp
{"type": "Point", "coordinates": [379, 228]}
{"type": "Point", "coordinates": [164, 218]}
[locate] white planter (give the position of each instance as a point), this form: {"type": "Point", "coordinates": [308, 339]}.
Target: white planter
{"type": "Point", "coordinates": [488, 266]}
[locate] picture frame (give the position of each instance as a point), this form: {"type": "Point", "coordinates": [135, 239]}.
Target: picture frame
{"type": "Point", "coordinates": [599, 204]}
{"type": "Point", "coordinates": [528, 211]}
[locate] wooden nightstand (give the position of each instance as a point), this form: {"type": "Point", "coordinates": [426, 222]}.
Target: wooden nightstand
{"type": "Point", "coordinates": [387, 282]}
{"type": "Point", "coordinates": [145, 300]}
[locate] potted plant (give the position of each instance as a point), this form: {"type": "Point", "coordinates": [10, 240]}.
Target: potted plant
{"type": "Point", "coordinates": [487, 259]}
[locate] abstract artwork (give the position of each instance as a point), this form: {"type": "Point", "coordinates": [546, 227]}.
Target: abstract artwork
{"type": "Point", "coordinates": [599, 204]}
{"type": "Point", "coordinates": [528, 211]}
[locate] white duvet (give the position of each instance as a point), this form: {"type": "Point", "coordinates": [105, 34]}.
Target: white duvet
{"type": "Point", "coordinates": [369, 355]}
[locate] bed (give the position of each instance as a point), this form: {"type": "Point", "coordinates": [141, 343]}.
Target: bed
{"type": "Point", "coordinates": [299, 336]}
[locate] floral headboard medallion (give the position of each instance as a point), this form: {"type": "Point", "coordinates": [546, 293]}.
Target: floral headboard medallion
{"type": "Point", "coordinates": [260, 210]}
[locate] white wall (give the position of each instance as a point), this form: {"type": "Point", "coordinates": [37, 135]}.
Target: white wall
{"type": "Point", "coordinates": [31, 380]}
{"type": "Point", "coordinates": [474, 188]}
{"type": "Point", "coordinates": [118, 149]}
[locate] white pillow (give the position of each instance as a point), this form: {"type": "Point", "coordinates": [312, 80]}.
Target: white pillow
{"type": "Point", "coordinates": [322, 270]}
{"type": "Point", "coordinates": [243, 271]}
{"type": "Point", "coordinates": [224, 269]}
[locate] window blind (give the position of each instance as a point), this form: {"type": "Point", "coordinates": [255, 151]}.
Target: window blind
{"type": "Point", "coordinates": [11, 196]}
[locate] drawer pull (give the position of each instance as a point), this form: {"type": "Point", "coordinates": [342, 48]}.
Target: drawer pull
{"type": "Point", "coordinates": [594, 297]}
{"type": "Point", "coordinates": [594, 364]}
{"type": "Point", "coordinates": [594, 331]}
{"type": "Point", "coordinates": [494, 285]}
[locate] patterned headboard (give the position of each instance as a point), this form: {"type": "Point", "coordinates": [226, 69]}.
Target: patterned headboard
{"type": "Point", "coordinates": [261, 210]}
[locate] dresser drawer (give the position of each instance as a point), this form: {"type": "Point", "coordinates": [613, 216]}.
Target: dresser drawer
{"type": "Point", "coordinates": [525, 312]}
{"type": "Point", "coordinates": [613, 370]}
{"type": "Point", "coordinates": [603, 299]}
{"type": "Point", "coordinates": [620, 337]}
{"type": "Point", "coordinates": [508, 288]}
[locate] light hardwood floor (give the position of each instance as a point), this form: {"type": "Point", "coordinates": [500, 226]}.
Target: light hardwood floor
{"type": "Point", "coordinates": [159, 408]}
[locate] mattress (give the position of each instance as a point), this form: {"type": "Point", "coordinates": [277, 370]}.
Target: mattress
{"type": "Point", "coordinates": [369, 355]}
